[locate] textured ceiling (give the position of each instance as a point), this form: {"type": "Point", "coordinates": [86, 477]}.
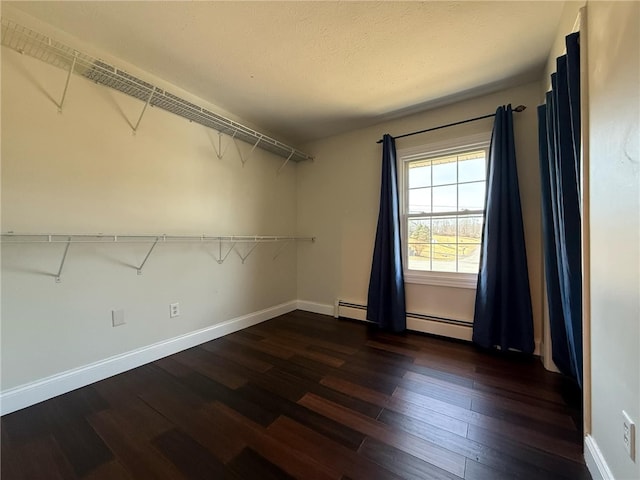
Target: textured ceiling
{"type": "Point", "coordinates": [307, 70]}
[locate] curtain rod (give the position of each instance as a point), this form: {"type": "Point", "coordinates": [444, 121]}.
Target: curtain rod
{"type": "Point", "coordinates": [518, 109]}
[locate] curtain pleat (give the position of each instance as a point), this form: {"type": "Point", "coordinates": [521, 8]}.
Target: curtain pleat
{"type": "Point", "coordinates": [503, 315]}
{"type": "Point", "coordinates": [559, 139]}
{"type": "Point", "coordinates": [386, 300]}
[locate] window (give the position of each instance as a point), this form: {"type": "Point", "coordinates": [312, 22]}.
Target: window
{"type": "Point", "coordinates": [443, 211]}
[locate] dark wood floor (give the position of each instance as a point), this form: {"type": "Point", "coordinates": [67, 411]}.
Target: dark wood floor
{"type": "Point", "coordinates": [307, 396]}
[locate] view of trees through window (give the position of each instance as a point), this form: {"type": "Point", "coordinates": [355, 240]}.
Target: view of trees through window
{"type": "Point", "coordinates": [445, 212]}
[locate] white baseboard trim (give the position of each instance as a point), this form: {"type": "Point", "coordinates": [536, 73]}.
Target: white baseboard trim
{"type": "Point", "coordinates": [460, 332]}
{"type": "Point", "coordinates": [595, 461]}
{"type": "Point", "coordinates": [29, 394]}
{"type": "Point", "coordinates": [314, 307]}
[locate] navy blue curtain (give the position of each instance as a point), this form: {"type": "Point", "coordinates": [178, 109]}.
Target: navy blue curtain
{"type": "Point", "coordinates": [559, 146]}
{"type": "Point", "coordinates": [386, 304]}
{"type": "Point", "coordinates": [503, 316]}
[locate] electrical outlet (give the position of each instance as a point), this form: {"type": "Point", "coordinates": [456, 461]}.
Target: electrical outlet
{"type": "Point", "coordinates": [174, 310]}
{"type": "Point", "coordinates": [117, 317]}
{"type": "Point", "coordinates": [629, 435]}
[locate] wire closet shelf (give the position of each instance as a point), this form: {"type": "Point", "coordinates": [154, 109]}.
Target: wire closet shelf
{"type": "Point", "coordinates": [226, 243]}
{"type": "Point", "coordinates": [11, 237]}
{"type": "Point", "coordinates": [46, 49]}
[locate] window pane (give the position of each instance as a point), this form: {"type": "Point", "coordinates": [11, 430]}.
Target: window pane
{"type": "Point", "coordinates": [419, 175]}
{"type": "Point", "coordinates": [445, 199]}
{"type": "Point", "coordinates": [470, 229]}
{"type": "Point", "coordinates": [420, 230]}
{"type": "Point", "coordinates": [444, 257]}
{"type": "Point", "coordinates": [419, 256]}
{"type": "Point", "coordinates": [445, 171]}
{"type": "Point", "coordinates": [420, 200]}
{"type": "Point", "coordinates": [444, 230]}
{"type": "Point", "coordinates": [471, 196]}
{"type": "Point", "coordinates": [472, 167]}
{"type": "Point", "coordinates": [468, 257]}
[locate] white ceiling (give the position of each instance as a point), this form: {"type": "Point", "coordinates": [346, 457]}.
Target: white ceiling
{"type": "Point", "coordinates": [307, 70]}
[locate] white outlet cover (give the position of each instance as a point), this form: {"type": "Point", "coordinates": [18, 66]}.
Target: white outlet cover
{"type": "Point", "coordinates": [117, 317]}
{"type": "Point", "coordinates": [629, 435]}
{"type": "Point", "coordinates": [174, 310]}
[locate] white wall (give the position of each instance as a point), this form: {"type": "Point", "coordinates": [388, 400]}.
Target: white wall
{"type": "Point", "coordinates": [566, 25]}
{"type": "Point", "coordinates": [84, 171]}
{"type": "Point", "coordinates": [614, 110]}
{"type": "Point", "coordinates": [338, 198]}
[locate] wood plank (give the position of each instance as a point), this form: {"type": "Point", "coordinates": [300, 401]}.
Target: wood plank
{"type": "Point", "coordinates": [410, 444]}
{"type": "Point", "coordinates": [132, 448]}
{"type": "Point", "coordinates": [201, 361]}
{"type": "Point", "coordinates": [481, 400]}
{"type": "Point", "coordinates": [358, 391]}
{"type": "Point", "coordinates": [39, 458]}
{"type": "Point", "coordinates": [568, 469]}
{"type": "Point", "coordinates": [293, 461]}
{"type": "Point", "coordinates": [496, 459]}
{"type": "Point", "coordinates": [188, 456]}
{"type": "Point", "coordinates": [221, 442]}
{"type": "Point", "coordinates": [335, 431]}
{"type": "Point", "coordinates": [236, 355]}
{"type": "Point", "coordinates": [401, 463]}
{"type": "Point", "coordinates": [545, 442]}
{"type": "Point", "coordinates": [325, 451]}
{"type": "Point", "coordinates": [301, 350]}
{"type": "Point", "coordinates": [435, 418]}
{"type": "Point", "coordinates": [249, 464]}
{"type": "Point", "coordinates": [109, 471]}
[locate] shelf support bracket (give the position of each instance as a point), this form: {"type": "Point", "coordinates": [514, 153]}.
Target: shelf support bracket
{"type": "Point", "coordinates": [221, 258]}
{"type": "Point", "coordinates": [64, 258]}
{"type": "Point", "coordinates": [147, 257]}
{"type": "Point", "coordinates": [245, 159]}
{"type": "Point", "coordinates": [281, 249]}
{"type": "Point", "coordinates": [144, 109]}
{"type": "Point", "coordinates": [66, 85]}
{"type": "Point", "coordinates": [219, 151]}
{"type": "Point", "coordinates": [286, 161]}
{"type": "Point", "coordinates": [243, 258]}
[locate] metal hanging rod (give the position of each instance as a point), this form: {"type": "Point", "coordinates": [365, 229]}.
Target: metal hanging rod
{"type": "Point", "coordinates": [518, 109]}
{"type": "Point", "coordinates": [42, 47]}
{"type": "Point", "coordinates": [11, 237]}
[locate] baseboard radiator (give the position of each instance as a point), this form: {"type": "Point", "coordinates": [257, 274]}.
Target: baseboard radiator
{"type": "Point", "coordinates": [419, 322]}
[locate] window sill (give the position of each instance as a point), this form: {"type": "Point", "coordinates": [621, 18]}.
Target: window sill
{"type": "Point", "coordinates": [442, 279]}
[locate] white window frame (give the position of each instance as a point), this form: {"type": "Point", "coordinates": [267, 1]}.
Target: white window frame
{"type": "Point", "coordinates": [438, 149]}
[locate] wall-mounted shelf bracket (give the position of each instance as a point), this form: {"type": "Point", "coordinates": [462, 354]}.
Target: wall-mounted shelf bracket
{"type": "Point", "coordinates": [221, 258]}
{"type": "Point", "coordinates": [219, 151]}
{"type": "Point", "coordinates": [144, 109]}
{"type": "Point", "coordinates": [147, 257]}
{"type": "Point", "coordinates": [246, 255]}
{"type": "Point", "coordinates": [244, 159]}
{"type": "Point", "coordinates": [66, 85]}
{"type": "Point", "coordinates": [286, 161]}
{"type": "Point", "coordinates": [281, 249]}
{"type": "Point", "coordinates": [64, 258]}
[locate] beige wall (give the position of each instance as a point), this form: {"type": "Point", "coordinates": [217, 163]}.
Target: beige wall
{"type": "Point", "coordinates": [84, 171]}
{"type": "Point", "coordinates": [614, 110]}
{"type": "Point", "coordinates": [338, 198]}
{"type": "Point", "coordinates": [566, 25]}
